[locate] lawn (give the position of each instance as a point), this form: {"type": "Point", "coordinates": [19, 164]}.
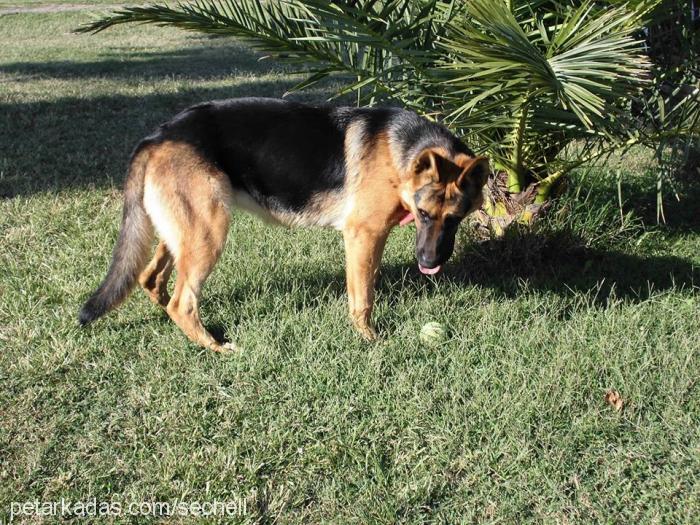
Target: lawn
{"type": "Point", "coordinates": [505, 423]}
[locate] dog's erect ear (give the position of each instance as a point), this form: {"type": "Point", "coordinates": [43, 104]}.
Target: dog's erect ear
{"type": "Point", "coordinates": [474, 174]}
{"type": "Point", "coordinates": [426, 164]}
{"type": "Point", "coordinates": [431, 163]}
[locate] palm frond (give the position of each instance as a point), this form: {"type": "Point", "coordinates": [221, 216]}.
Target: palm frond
{"type": "Point", "coordinates": [386, 41]}
{"type": "Point", "coordinates": [529, 78]}
{"type": "Point", "coordinates": [519, 79]}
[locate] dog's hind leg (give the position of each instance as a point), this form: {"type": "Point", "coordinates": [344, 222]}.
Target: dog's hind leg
{"type": "Point", "coordinates": [193, 265]}
{"type": "Point", "coordinates": [154, 279]}
{"type": "Point", "coordinates": [188, 200]}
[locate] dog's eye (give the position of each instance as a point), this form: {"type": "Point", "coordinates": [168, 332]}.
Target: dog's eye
{"type": "Point", "coordinates": [423, 215]}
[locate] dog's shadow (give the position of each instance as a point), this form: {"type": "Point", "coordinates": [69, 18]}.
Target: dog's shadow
{"type": "Point", "coordinates": [536, 263]}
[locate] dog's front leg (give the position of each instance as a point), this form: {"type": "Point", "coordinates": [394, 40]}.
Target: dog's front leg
{"type": "Point", "coordinates": [363, 253]}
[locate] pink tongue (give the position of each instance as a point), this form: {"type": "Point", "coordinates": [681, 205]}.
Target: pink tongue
{"type": "Point", "coordinates": [407, 219]}
{"type": "Point", "coordinates": [429, 271]}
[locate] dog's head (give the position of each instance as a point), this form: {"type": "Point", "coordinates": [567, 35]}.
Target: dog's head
{"type": "Point", "coordinates": [440, 191]}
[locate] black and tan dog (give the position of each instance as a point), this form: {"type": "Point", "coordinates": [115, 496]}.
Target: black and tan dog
{"type": "Point", "coordinates": [361, 171]}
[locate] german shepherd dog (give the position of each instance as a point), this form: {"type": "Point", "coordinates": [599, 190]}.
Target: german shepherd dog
{"type": "Point", "coordinates": [359, 170]}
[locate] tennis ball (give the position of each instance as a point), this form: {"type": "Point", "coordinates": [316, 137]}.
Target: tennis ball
{"type": "Point", "coordinates": [433, 334]}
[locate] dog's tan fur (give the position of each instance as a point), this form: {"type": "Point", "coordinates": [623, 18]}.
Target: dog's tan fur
{"type": "Point", "coordinates": [189, 202]}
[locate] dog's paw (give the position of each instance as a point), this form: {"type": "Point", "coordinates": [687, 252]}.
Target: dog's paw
{"type": "Point", "coordinates": [368, 333]}
{"type": "Point", "coordinates": [226, 348]}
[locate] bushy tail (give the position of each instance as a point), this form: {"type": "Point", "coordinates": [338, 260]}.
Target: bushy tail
{"type": "Point", "coordinates": [132, 249]}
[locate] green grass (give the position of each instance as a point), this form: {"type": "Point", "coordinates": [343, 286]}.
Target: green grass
{"type": "Point", "coordinates": [505, 423]}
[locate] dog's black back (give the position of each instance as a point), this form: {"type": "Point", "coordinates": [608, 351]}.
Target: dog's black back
{"type": "Point", "coordinates": [284, 153]}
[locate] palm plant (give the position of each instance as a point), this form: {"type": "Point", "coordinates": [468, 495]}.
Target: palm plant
{"type": "Point", "coordinates": [672, 104]}
{"type": "Point", "coordinates": [522, 81]}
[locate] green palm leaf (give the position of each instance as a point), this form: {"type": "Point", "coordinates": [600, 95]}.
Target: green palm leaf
{"type": "Point", "coordinates": [386, 41]}
{"type": "Point", "coordinates": [520, 79]}
{"type": "Point", "coordinates": [528, 77]}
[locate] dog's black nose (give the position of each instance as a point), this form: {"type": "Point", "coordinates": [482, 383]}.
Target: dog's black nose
{"type": "Point", "coordinates": [427, 261]}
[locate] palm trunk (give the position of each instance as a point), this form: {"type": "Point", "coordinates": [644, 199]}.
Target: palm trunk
{"type": "Point", "coordinates": [503, 207]}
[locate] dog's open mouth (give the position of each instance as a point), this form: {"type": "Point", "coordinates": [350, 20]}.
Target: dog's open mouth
{"type": "Point", "coordinates": [429, 271]}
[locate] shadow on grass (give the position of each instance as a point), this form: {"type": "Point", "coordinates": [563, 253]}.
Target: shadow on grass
{"type": "Point", "coordinates": [602, 276]}
{"type": "Point", "coordinates": [562, 265]}
{"type": "Point", "coordinates": [639, 193]}
{"type": "Point", "coordinates": [682, 214]}
{"type": "Point", "coordinates": [199, 61]}
{"type": "Point", "coordinates": [85, 143]}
